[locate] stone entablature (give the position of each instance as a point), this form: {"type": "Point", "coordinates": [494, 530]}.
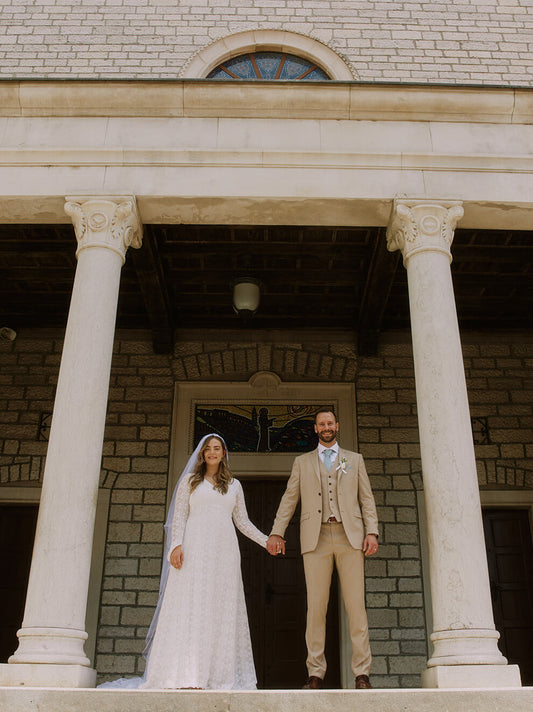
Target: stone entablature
{"type": "Point", "coordinates": [221, 152]}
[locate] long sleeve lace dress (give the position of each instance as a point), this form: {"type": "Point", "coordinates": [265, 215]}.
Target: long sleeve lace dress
{"type": "Point", "coordinates": [202, 639]}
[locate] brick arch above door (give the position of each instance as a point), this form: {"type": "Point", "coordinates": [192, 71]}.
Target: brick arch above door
{"type": "Point", "coordinates": [238, 362]}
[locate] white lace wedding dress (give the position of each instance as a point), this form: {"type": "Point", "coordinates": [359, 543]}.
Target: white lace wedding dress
{"type": "Point", "coordinates": [202, 637]}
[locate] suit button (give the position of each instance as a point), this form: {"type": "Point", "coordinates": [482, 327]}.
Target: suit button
{"type": "Point", "coordinates": [320, 494]}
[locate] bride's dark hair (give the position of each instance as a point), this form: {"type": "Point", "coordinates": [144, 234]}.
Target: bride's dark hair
{"type": "Point", "coordinates": [223, 476]}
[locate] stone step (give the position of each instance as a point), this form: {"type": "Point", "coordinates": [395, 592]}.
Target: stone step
{"type": "Point", "coordinates": [18, 699]}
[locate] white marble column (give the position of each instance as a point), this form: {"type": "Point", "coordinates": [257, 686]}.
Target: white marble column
{"type": "Point", "coordinates": [464, 638]}
{"type": "Point", "coordinates": [52, 636]}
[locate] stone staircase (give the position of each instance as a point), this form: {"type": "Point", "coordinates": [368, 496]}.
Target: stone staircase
{"type": "Point", "coordinates": [21, 699]}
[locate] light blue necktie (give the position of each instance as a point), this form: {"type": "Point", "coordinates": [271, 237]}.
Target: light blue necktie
{"type": "Point", "coordinates": [328, 458]}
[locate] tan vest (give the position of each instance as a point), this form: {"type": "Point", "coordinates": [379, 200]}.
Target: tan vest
{"type": "Point", "coordinates": [330, 499]}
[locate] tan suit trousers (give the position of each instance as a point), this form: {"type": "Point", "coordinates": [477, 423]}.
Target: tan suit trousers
{"type": "Point", "coordinates": [333, 546]}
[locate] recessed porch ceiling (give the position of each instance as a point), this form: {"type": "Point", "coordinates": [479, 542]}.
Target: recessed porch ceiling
{"type": "Point", "coordinates": [321, 277]}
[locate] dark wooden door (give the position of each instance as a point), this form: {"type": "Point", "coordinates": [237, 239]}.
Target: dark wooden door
{"type": "Point", "coordinates": [17, 532]}
{"type": "Point", "coordinates": [276, 598]}
{"type": "Point", "coordinates": [510, 558]}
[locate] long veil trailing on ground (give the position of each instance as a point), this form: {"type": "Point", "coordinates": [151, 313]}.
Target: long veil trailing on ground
{"type": "Point", "coordinates": [132, 683]}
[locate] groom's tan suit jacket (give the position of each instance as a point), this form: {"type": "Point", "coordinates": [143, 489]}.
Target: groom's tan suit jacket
{"type": "Point", "coordinates": [356, 501]}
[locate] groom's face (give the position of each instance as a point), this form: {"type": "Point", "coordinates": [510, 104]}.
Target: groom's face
{"type": "Point", "coordinates": [326, 427]}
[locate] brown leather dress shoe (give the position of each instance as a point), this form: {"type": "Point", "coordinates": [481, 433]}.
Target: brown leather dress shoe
{"type": "Point", "coordinates": [362, 683]}
{"type": "Point", "coordinates": [314, 683]}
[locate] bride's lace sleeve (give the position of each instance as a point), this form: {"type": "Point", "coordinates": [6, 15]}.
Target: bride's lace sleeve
{"type": "Point", "coordinates": [181, 513]}
{"type": "Point", "coordinates": [242, 522]}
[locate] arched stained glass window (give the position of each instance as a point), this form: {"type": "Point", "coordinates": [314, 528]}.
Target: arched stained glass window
{"type": "Point", "coordinates": [268, 65]}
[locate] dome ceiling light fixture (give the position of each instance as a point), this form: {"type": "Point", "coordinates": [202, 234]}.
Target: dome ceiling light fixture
{"type": "Point", "coordinates": [246, 297]}
{"type": "Point", "coordinates": [8, 334]}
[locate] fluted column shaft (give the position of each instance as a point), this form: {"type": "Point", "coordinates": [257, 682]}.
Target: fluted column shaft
{"type": "Point", "coordinates": [464, 632]}
{"type": "Point", "coordinates": [53, 629]}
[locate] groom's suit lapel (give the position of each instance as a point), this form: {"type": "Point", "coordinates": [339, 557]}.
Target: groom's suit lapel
{"type": "Point", "coordinates": [315, 462]}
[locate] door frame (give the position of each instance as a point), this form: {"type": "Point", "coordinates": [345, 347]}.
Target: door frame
{"type": "Point", "coordinates": [264, 387]}
{"type": "Point", "coordinates": [32, 495]}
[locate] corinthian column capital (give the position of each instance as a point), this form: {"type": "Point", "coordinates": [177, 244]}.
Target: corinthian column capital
{"type": "Point", "coordinates": [423, 225]}
{"type": "Point", "coordinates": [112, 223]}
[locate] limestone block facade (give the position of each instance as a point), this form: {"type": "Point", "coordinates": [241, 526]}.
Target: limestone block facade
{"type": "Point", "coordinates": [482, 42]}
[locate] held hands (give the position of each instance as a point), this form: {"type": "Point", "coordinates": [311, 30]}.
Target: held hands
{"type": "Point", "coordinates": [176, 557]}
{"type": "Point", "coordinates": [275, 545]}
{"type": "Point", "coordinates": [370, 544]}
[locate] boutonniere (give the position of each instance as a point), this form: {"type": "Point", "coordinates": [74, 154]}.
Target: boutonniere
{"type": "Point", "coordinates": [343, 465]}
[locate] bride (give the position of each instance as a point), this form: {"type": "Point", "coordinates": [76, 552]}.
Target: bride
{"type": "Point", "coordinates": [199, 637]}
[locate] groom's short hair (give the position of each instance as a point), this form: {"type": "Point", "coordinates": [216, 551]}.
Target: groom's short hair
{"type": "Point", "coordinates": [326, 409]}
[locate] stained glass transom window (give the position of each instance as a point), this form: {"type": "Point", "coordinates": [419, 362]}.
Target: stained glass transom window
{"type": "Point", "coordinates": [268, 65]}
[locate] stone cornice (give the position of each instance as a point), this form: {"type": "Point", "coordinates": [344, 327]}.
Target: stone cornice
{"type": "Point", "coordinates": [326, 100]}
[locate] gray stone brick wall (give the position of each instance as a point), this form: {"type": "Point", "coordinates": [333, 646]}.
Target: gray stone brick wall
{"type": "Point", "coordinates": [501, 398]}
{"type": "Point", "coordinates": [387, 430]}
{"type": "Point", "coordinates": [136, 450]}
{"type": "Point", "coordinates": [481, 42]}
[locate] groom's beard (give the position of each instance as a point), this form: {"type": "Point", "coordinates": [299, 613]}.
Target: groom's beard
{"type": "Point", "coordinates": [327, 437]}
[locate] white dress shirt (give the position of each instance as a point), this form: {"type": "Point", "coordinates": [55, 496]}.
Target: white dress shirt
{"type": "Point", "coordinates": [321, 449]}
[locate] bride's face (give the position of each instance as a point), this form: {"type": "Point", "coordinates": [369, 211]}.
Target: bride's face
{"type": "Point", "coordinates": [213, 452]}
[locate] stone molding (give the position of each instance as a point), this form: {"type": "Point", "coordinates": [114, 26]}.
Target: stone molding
{"type": "Point", "coordinates": [327, 100]}
{"type": "Point", "coordinates": [302, 45]}
{"type": "Point", "coordinates": [112, 223]}
{"type": "Point", "coordinates": [422, 226]}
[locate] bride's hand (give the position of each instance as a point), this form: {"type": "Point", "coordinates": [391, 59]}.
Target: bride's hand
{"type": "Point", "coordinates": [176, 557]}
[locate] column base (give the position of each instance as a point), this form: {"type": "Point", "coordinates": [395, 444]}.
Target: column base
{"type": "Point", "coordinates": [468, 646]}
{"type": "Point", "coordinates": [46, 675]}
{"type": "Point", "coordinates": [471, 676]}
{"type": "Point", "coordinates": [55, 646]}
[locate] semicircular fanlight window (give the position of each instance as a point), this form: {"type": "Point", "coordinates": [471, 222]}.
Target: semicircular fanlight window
{"type": "Point", "coordinates": [269, 66]}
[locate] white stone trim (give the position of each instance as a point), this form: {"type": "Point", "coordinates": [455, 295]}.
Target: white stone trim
{"type": "Point", "coordinates": [274, 40]}
{"type": "Point", "coordinates": [213, 98]}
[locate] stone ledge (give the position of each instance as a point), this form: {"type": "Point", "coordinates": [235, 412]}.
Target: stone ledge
{"type": "Point", "coordinates": [317, 100]}
{"type": "Point", "coordinates": [55, 700]}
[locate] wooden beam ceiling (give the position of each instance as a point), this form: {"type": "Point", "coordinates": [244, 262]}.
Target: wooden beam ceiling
{"type": "Point", "coordinates": [379, 281]}
{"type": "Point", "coordinates": [149, 270]}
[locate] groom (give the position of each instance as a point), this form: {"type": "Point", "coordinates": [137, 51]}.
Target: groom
{"type": "Point", "coordinates": [338, 524]}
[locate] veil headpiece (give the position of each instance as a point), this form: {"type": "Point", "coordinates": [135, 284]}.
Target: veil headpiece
{"type": "Point", "coordinates": [188, 470]}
